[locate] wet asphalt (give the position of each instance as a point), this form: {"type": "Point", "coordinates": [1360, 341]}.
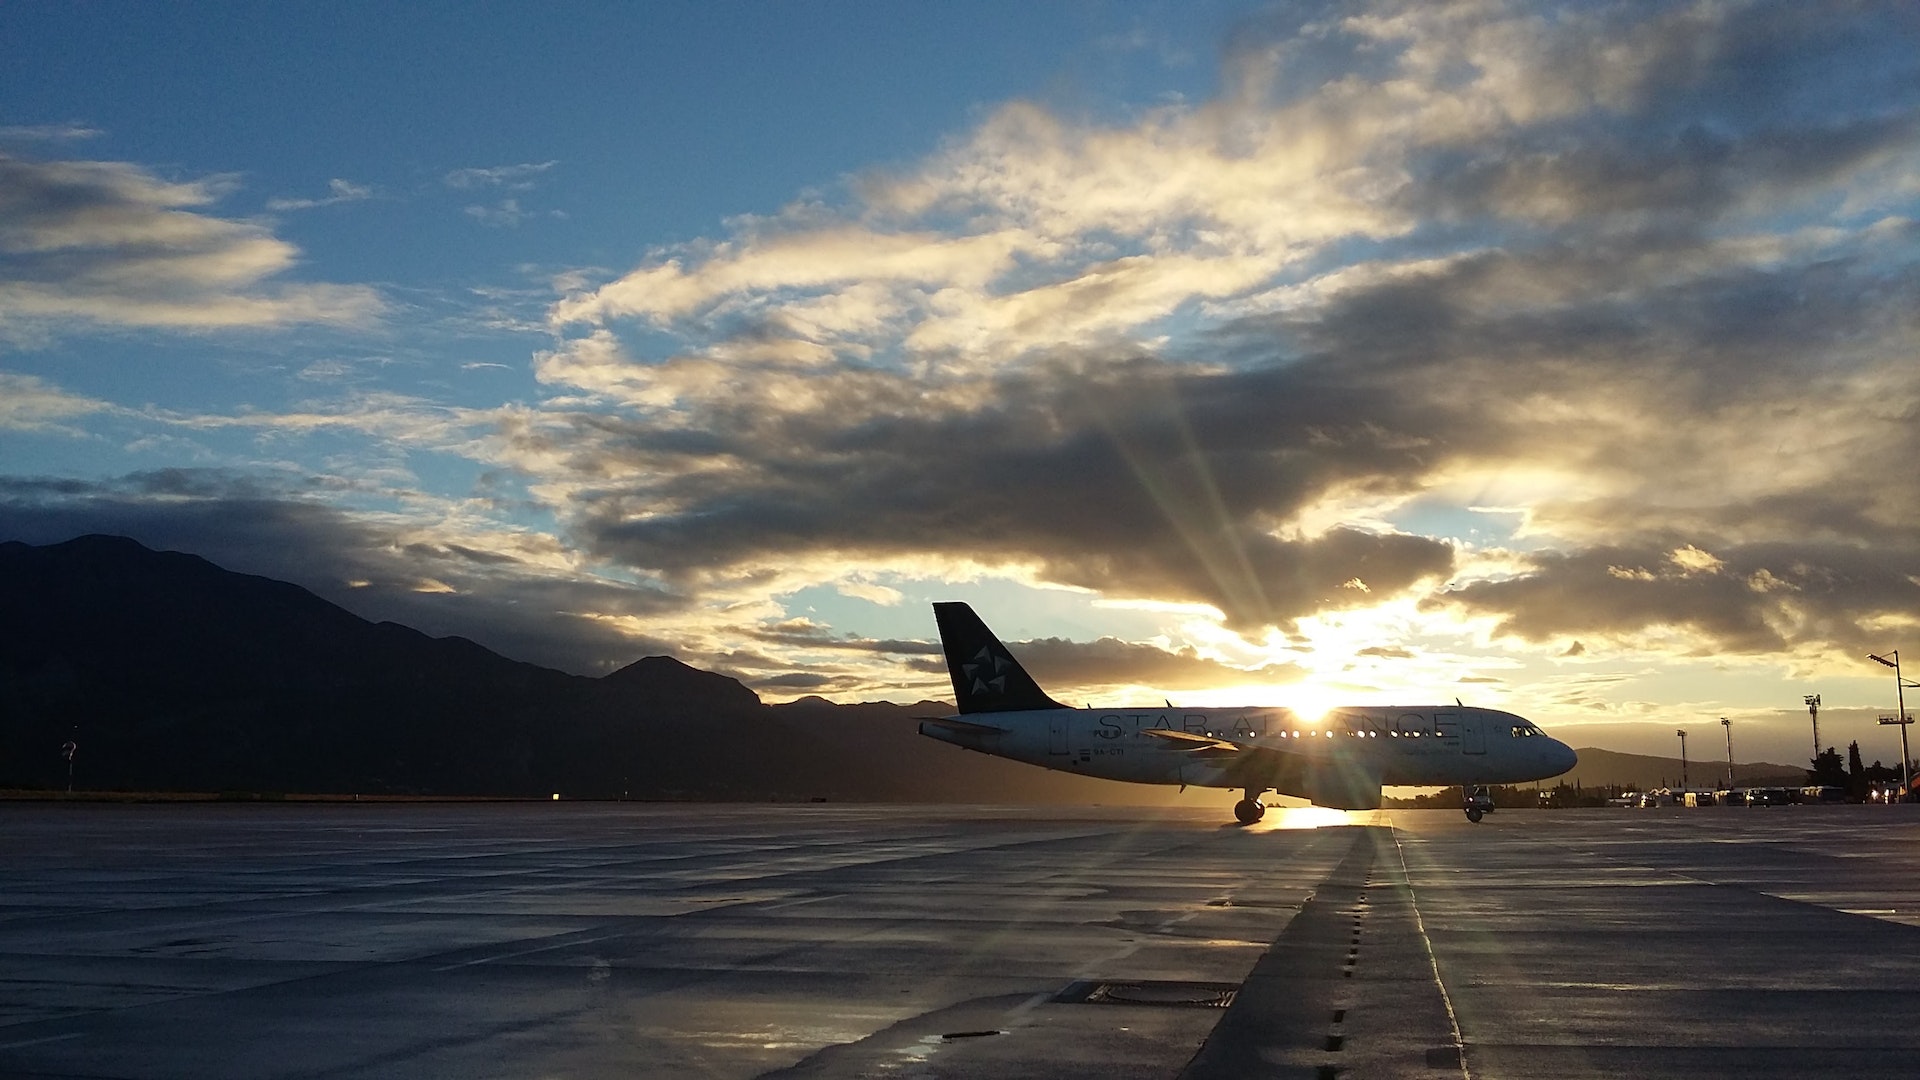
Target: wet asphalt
{"type": "Point", "coordinates": [210, 941]}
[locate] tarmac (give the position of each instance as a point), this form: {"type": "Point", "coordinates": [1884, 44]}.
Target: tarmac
{"type": "Point", "coordinates": [210, 941]}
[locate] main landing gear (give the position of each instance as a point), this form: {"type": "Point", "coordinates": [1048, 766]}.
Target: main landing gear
{"type": "Point", "coordinates": [1479, 802]}
{"type": "Point", "coordinates": [1250, 809]}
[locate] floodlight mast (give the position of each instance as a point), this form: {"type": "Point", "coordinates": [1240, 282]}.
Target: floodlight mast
{"type": "Point", "coordinates": [1813, 710]}
{"type": "Point", "coordinates": [1683, 757]}
{"type": "Point", "coordinates": [1901, 718]}
{"type": "Point", "coordinates": [1728, 724]}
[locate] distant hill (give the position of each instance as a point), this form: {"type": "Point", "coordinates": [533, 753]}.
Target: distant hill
{"type": "Point", "coordinates": [172, 674]}
{"type": "Point", "coordinates": [1641, 771]}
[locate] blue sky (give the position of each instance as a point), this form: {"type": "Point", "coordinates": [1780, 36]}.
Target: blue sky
{"type": "Point", "coordinates": [1556, 357]}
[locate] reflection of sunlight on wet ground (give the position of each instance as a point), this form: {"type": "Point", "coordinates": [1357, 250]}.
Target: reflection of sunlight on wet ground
{"type": "Point", "coordinates": [786, 1038]}
{"type": "Point", "coordinates": [1313, 817]}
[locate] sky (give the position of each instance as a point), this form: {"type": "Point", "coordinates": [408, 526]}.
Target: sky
{"type": "Point", "coordinates": [1557, 358]}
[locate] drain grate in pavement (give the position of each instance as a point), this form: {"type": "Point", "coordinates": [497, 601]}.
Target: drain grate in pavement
{"type": "Point", "coordinates": [1188, 995]}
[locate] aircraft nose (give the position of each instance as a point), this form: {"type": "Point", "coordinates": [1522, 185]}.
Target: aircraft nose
{"type": "Point", "coordinates": [1561, 758]}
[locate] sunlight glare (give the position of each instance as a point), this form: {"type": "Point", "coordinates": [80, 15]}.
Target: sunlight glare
{"type": "Point", "coordinates": [1302, 817]}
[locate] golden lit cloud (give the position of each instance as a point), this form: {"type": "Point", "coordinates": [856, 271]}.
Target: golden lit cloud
{"type": "Point", "coordinates": [110, 244]}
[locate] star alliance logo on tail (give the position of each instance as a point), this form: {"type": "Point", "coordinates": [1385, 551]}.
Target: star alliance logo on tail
{"type": "Point", "coordinates": [994, 665]}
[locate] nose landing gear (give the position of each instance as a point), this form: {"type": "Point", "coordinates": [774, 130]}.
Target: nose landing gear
{"type": "Point", "coordinates": [1479, 802]}
{"type": "Point", "coordinates": [1250, 809]}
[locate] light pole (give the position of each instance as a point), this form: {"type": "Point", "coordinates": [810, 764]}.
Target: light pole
{"type": "Point", "coordinates": [1813, 710]}
{"type": "Point", "coordinates": [1728, 724]}
{"type": "Point", "coordinates": [1900, 718]}
{"type": "Point", "coordinates": [1683, 758]}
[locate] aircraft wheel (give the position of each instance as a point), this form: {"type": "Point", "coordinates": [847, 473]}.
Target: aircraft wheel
{"type": "Point", "coordinates": [1248, 811]}
{"type": "Point", "coordinates": [1474, 814]}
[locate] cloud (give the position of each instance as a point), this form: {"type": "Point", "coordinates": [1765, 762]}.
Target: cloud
{"type": "Point", "coordinates": [1089, 481]}
{"type": "Point", "coordinates": [1110, 662]}
{"type": "Point", "coordinates": [395, 419]}
{"type": "Point", "coordinates": [109, 244]}
{"type": "Point", "coordinates": [1386, 652]}
{"type": "Point", "coordinates": [68, 132]}
{"type": "Point", "coordinates": [519, 177]}
{"type": "Point", "coordinates": [804, 634]}
{"type": "Point", "coordinates": [1763, 598]}
{"type": "Point", "coordinates": [507, 214]}
{"type": "Point", "coordinates": [29, 403]}
{"type": "Point", "coordinates": [1645, 275]}
{"type": "Point", "coordinates": [815, 259]}
{"type": "Point", "coordinates": [338, 191]}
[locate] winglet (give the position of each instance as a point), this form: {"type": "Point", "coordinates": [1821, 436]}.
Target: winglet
{"type": "Point", "coordinates": [986, 677]}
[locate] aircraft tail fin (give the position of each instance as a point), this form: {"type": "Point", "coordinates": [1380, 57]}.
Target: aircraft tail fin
{"type": "Point", "coordinates": [986, 677]}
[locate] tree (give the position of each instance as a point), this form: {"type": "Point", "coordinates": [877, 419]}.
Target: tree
{"type": "Point", "coordinates": [1828, 771]}
{"type": "Point", "coordinates": [1856, 774]}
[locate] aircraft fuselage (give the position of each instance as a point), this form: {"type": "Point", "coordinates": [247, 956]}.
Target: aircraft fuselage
{"type": "Point", "coordinates": [1402, 745]}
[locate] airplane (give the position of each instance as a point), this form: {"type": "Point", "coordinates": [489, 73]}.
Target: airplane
{"type": "Point", "coordinates": [1340, 760]}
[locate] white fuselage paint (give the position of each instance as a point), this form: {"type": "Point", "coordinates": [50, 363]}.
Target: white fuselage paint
{"type": "Point", "coordinates": [1402, 745]}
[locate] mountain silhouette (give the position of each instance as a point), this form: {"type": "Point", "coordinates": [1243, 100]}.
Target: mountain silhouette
{"type": "Point", "coordinates": [1644, 771]}
{"type": "Point", "coordinates": [169, 673]}
{"type": "Point", "coordinates": [666, 681]}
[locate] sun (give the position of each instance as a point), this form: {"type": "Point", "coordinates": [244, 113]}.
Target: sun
{"type": "Point", "coordinates": [1311, 701]}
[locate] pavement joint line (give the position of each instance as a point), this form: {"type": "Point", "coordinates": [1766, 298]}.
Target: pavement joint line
{"type": "Point", "coordinates": [529, 952]}
{"type": "Point", "coordinates": [1433, 961]}
{"type": "Point", "coordinates": [784, 904]}
{"type": "Point", "coordinates": [42, 1039]}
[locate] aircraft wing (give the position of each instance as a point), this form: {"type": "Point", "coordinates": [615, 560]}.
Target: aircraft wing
{"type": "Point", "coordinates": [1238, 756]}
{"type": "Point", "coordinates": [1347, 783]}
{"type": "Point", "coordinates": [963, 727]}
{"type": "Point", "coordinates": [1207, 746]}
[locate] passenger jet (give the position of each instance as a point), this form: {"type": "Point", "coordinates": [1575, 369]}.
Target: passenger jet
{"type": "Point", "coordinates": [1340, 760]}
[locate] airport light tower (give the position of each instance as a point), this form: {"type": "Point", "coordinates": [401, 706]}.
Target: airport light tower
{"type": "Point", "coordinates": [1899, 718]}
{"type": "Point", "coordinates": [1813, 710]}
{"type": "Point", "coordinates": [1728, 724]}
{"type": "Point", "coordinates": [1683, 758]}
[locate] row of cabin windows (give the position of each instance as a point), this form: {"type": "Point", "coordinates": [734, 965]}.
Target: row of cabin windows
{"type": "Point", "coordinates": [1296, 734]}
{"type": "Point", "coordinates": [1518, 732]}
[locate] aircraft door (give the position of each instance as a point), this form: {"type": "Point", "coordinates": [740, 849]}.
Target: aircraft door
{"type": "Point", "coordinates": [1473, 733]}
{"type": "Point", "coordinates": [1058, 725]}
